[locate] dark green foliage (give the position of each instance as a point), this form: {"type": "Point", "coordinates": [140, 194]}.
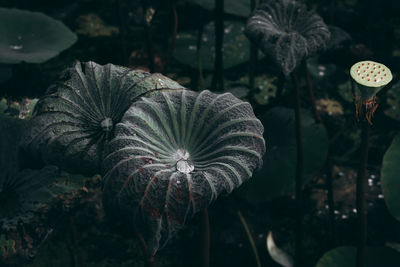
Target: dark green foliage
{"type": "Point", "coordinates": [287, 32]}
{"type": "Point", "coordinates": [73, 122]}
{"type": "Point", "coordinates": [31, 36]}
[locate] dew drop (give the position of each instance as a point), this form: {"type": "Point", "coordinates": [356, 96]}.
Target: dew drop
{"type": "Point", "coordinates": [16, 47]}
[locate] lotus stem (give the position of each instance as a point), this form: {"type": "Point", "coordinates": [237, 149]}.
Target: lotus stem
{"type": "Point", "coordinates": [175, 31]}
{"type": "Point", "coordinates": [149, 260]}
{"type": "Point", "coordinates": [279, 87]}
{"type": "Point", "coordinates": [205, 230]}
{"type": "Point", "coordinates": [361, 192]}
{"type": "Point", "coordinates": [331, 202]}
{"type": "Point", "coordinates": [250, 237]}
{"type": "Point", "coordinates": [199, 62]}
{"type": "Point", "coordinates": [253, 58]}
{"type": "Point", "coordinates": [122, 33]}
{"type": "Point", "coordinates": [317, 116]}
{"type": "Point", "coordinates": [299, 174]}
{"type": "Point", "coordinates": [218, 80]}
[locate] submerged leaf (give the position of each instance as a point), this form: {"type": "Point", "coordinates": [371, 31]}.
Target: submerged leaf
{"type": "Point", "coordinates": [176, 152]}
{"type": "Point", "coordinates": [287, 32]}
{"type": "Point", "coordinates": [31, 37]}
{"type": "Point", "coordinates": [74, 121]}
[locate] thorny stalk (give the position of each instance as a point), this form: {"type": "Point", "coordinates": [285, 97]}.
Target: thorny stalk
{"type": "Point", "coordinates": [250, 237]}
{"type": "Point", "coordinates": [311, 93]}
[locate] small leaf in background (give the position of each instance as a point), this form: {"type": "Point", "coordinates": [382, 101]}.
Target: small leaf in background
{"type": "Point", "coordinates": [330, 107]}
{"type": "Point", "coordinates": [346, 257]}
{"type": "Point", "coordinates": [277, 176]}
{"type": "Point", "coordinates": [31, 37]}
{"type": "Point", "coordinates": [236, 47]}
{"type": "Point", "coordinates": [390, 177]}
{"type": "Point", "coordinates": [237, 7]}
{"type": "Point", "coordinates": [277, 254]}
{"type": "Point", "coordinates": [393, 101]}
{"type": "Point", "coordinates": [92, 25]}
{"type": "Point", "coordinates": [344, 90]}
{"type": "Point", "coordinates": [339, 38]}
{"type": "Point", "coordinates": [287, 32]}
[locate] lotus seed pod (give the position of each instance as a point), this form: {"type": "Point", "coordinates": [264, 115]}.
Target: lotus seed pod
{"type": "Point", "coordinates": [75, 120]}
{"type": "Point", "coordinates": [370, 77]}
{"type": "Point", "coordinates": [173, 154]}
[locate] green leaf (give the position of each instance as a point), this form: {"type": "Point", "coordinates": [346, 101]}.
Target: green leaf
{"type": "Point", "coordinates": [346, 257]}
{"type": "Point", "coordinates": [236, 48]}
{"type": "Point", "coordinates": [75, 119]}
{"type": "Point", "coordinates": [31, 37]}
{"type": "Point", "coordinates": [390, 177]}
{"type": "Point", "coordinates": [176, 152]}
{"type": "Point", "coordinates": [277, 175]}
{"type": "Point", "coordinates": [393, 101]}
{"type": "Point", "coordinates": [238, 7]}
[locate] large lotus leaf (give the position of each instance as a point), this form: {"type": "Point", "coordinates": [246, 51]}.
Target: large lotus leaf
{"type": "Point", "coordinates": [287, 32]}
{"type": "Point", "coordinates": [390, 177]}
{"type": "Point", "coordinates": [73, 122]}
{"type": "Point", "coordinates": [346, 257]}
{"type": "Point", "coordinates": [277, 175]}
{"type": "Point", "coordinates": [236, 47]}
{"type": "Point", "coordinates": [393, 101]}
{"type": "Point", "coordinates": [31, 36]}
{"type": "Point", "coordinates": [237, 7]}
{"type": "Point", "coordinates": [176, 152]}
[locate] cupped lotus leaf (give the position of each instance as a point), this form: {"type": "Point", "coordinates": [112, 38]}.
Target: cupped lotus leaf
{"type": "Point", "coordinates": [346, 257]}
{"type": "Point", "coordinates": [176, 152]}
{"type": "Point", "coordinates": [370, 77]}
{"type": "Point", "coordinates": [31, 37]}
{"type": "Point", "coordinates": [72, 124]}
{"type": "Point", "coordinates": [236, 47]}
{"type": "Point", "coordinates": [287, 32]}
{"type": "Point", "coordinates": [390, 177]}
{"type": "Point", "coordinates": [277, 176]}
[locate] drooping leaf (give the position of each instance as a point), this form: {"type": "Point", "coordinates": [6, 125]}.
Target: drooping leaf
{"type": "Point", "coordinates": [176, 152]}
{"type": "Point", "coordinates": [277, 176]}
{"type": "Point", "coordinates": [277, 254]}
{"type": "Point", "coordinates": [235, 48]}
{"type": "Point", "coordinates": [74, 121]}
{"type": "Point", "coordinates": [390, 177]}
{"type": "Point", "coordinates": [31, 37]}
{"type": "Point", "coordinates": [393, 101]}
{"type": "Point", "coordinates": [238, 7]}
{"type": "Point", "coordinates": [346, 257]}
{"type": "Point", "coordinates": [287, 32]}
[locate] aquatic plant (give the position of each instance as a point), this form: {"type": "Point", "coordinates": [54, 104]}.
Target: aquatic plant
{"type": "Point", "coordinates": [369, 77]}
{"type": "Point", "coordinates": [31, 37]}
{"type": "Point", "coordinates": [174, 153]}
{"type": "Point", "coordinates": [73, 122]}
{"type": "Point", "coordinates": [287, 32]}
